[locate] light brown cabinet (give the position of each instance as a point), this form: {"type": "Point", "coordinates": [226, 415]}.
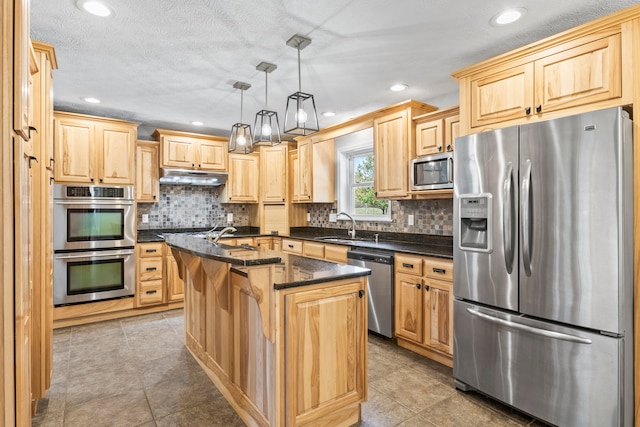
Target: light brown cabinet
{"type": "Point", "coordinates": [273, 174]}
{"type": "Point", "coordinates": [174, 284]}
{"type": "Point", "coordinates": [318, 250]}
{"type": "Point", "coordinates": [312, 167]}
{"type": "Point", "coordinates": [94, 150]}
{"type": "Point", "coordinates": [579, 74]}
{"type": "Point", "coordinates": [436, 132]}
{"type": "Point", "coordinates": [150, 272]}
{"type": "Point", "coordinates": [242, 184]}
{"type": "Point", "coordinates": [424, 306]}
{"type": "Point", "coordinates": [191, 151]}
{"type": "Point", "coordinates": [21, 69]}
{"type": "Point", "coordinates": [147, 171]}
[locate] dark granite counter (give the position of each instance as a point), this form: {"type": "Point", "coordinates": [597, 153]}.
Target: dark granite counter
{"type": "Point", "coordinates": [155, 235]}
{"type": "Point", "coordinates": [295, 270]}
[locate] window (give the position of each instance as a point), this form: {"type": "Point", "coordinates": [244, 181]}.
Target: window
{"type": "Point", "coordinates": [355, 179]}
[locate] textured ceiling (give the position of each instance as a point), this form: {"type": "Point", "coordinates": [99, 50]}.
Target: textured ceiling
{"type": "Point", "coordinates": [165, 63]}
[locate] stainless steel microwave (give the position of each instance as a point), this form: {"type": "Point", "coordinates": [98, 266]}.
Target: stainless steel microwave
{"type": "Point", "coordinates": [432, 172]}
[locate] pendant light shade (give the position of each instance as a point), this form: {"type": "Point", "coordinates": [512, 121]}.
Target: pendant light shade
{"type": "Point", "coordinates": [241, 139]}
{"type": "Point", "coordinates": [266, 126]}
{"type": "Point", "coordinates": [301, 117]}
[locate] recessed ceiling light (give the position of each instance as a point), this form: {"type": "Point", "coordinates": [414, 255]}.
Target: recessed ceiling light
{"type": "Point", "coordinates": [197, 123]}
{"type": "Point", "coordinates": [94, 7]}
{"type": "Point", "coordinates": [328, 114]}
{"type": "Point", "coordinates": [508, 16]}
{"type": "Point", "coordinates": [91, 100]}
{"type": "Point", "coordinates": [398, 87]}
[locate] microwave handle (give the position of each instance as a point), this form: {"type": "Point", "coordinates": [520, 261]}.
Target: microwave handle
{"type": "Point", "coordinates": [450, 169]}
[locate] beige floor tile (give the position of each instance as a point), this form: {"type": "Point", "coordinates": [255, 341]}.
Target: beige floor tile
{"type": "Point", "coordinates": [122, 410]}
{"type": "Point", "coordinates": [215, 413]}
{"type": "Point", "coordinates": [381, 411]}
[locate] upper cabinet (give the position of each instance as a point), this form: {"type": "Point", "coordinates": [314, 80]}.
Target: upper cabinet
{"type": "Point", "coordinates": [147, 171]}
{"type": "Point", "coordinates": [242, 184]}
{"type": "Point", "coordinates": [393, 145]}
{"type": "Point", "coordinates": [21, 69]}
{"type": "Point", "coordinates": [312, 167]}
{"type": "Point", "coordinates": [575, 71]}
{"type": "Point", "coordinates": [273, 173]}
{"type": "Point", "coordinates": [436, 132]}
{"type": "Point", "coordinates": [192, 151]}
{"type": "Point", "coordinates": [94, 150]}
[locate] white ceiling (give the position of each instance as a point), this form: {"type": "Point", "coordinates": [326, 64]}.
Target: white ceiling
{"type": "Point", "coordinates": [165, 63]}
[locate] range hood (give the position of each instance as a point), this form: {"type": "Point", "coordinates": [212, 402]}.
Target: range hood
{"type": "Point", "coordinates": [192, 177]}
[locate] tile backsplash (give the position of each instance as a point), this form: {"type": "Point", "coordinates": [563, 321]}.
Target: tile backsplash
{"type": "Point", "coordinates": [184, 206]}
{"type": "Point", "coordinates": [430, 217]}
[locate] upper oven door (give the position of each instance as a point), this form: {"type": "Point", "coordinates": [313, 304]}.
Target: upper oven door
{"type": "Point", "coordinates": [432, 172]}
{"type": "Point", "coordinates": [95, 224]}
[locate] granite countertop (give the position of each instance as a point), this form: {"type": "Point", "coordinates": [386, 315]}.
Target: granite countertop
{"type": "Point", "coordinates": [295, 270]}
{"type": "Point", "coordinates": [156, 235]}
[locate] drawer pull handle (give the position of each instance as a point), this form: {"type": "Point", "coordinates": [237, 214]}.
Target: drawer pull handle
{"type": "Point", "coordinates": [405, 265]}
{"type": "Point", "coordinates": [439, 270]}
{"type": "Point", "coordinates": [151, 268]}
{"type": "Point", "coordinates": [291, 246]}
{"type": "Point", "coordinates": [151, 292]}
{"type": "Point", "coordinates": [150, 250]}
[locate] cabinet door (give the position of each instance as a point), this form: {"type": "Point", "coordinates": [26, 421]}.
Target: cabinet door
{"type": "Point", "coordinates": [175, 285]}
{"type": "Point", "coordinates": [585, 74]}
{"type": "Point", "coordinates": [21, 69]}
{"type": "Point", "coordinates": [178, 152]}
{"type": "Point", "coordinates": [336, 253]}
{"type": "Point", "coordinates": [117, 151]}
{"type": "Point", "coordinates": [75, 150]}
{"type": "Point", "coordinates": [242, 184]}
{"type": "Point", "coordinates": [451, 131]}
{"type": "Point", "coordinates": [429, 137]}
{"type": "Point", "coordinates": [390, 146]}
{"type": "Point", "coordinates": [438, 316]}
{"type": "Point", "coordinates": [408, 307]}
{"type": "Point", "coordinates": [325, 350]}
{"type": "Point", "coordinates": [294, 175]}
{"type": "Point", "coordinates": [212, 155]}
{"type": "Point", "coordinates": [147, 170]}
{"type": "Point", "coordinates": [501, 96]}
{"type": "Point", "coordinates": [313, 249]}
{"type": "Point", "coordinates": [305, 171]}
{"type": "Point", "coordinates": [273, 171]}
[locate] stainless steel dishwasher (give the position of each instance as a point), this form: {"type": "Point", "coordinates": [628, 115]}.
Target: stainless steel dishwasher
{"type": "Point", "coordinates": [380, 286]}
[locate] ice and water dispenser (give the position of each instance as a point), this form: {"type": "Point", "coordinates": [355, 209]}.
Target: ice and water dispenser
{"type": "Point", "coordinates": [475, 222]}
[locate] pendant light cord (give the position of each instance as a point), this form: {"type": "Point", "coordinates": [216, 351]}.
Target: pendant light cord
{"type": "Point", "coordinates": [266, 90]}
{"type": "Point", "coordinates": [299, 73]}
{"type": "Point", "coordinates": [241, 101]}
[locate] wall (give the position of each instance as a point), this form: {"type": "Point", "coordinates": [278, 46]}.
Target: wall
{"type": "Point", "coordinates": [430, 217]}
{"type": "Point", "coordinates": [182, 206]}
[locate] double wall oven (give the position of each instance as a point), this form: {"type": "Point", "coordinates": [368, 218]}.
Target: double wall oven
{"type": "Point", "coordinates": [93, 242]}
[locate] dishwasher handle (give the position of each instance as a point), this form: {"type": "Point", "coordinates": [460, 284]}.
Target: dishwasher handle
{"type": "Point", "coordinates": [377, 257]}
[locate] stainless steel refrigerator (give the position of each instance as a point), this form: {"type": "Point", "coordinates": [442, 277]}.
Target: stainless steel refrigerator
{"type": "Point", "coordinates": [543, 267]}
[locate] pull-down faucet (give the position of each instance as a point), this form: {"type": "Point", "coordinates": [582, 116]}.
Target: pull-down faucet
{"type": "Point", "coordinates": [352, 232]}
{"type": "Point", "coordinates": [222, 232]}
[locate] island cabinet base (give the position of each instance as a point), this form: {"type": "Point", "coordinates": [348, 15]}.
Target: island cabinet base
{"type": "Point", "coordinates": [289, 357]}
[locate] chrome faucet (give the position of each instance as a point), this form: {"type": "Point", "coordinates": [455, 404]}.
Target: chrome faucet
{"type": "Point", "coordinates": [222, 232]}
{"type": "Point", "coordinates": [352, 232]}
{"type": "Point", "coordinates": [211, 231]}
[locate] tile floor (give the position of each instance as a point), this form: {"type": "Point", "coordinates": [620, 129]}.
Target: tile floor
{"type": "Point", "coordinates": [137, 372]}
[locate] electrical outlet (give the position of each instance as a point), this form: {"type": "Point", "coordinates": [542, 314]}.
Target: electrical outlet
{"type": "Point", "coordinates": [229, 218]}
{"type": "Point", "coordinates": [333, 218]}
{"type": "Point", "coordinates": [410, 219]}
{"type": "Point", "coordinates": [145, 218]}
{"type": "Point", "coordinates": [308, 216]}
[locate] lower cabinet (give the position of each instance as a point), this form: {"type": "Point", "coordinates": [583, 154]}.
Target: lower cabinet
{"type": "Point", "coordinates": [318, 250]}
{"type": "Point", "coordinates": [175, 285]}
{"type": "Point", "coordinates": [149, 289]}
{"type": "Point", "coordinates": [424, 306]}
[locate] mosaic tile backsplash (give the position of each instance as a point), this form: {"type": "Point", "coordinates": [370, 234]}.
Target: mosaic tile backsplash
{"type": "Point", "coordinates": [183, 206]}
{"type": "Point", "coordinates": [430, 217]}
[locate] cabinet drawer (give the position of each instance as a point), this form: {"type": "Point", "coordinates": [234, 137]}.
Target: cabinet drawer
{"type": "Point", "coordinates": [150, 292]}
{"type": "Point", "coordinates": [313, 250]}
{"type": "Point", "coordinates": [245, 241]}
{"type": "Point", "coordinates": [150, 269]}
{"type": "Point", "coordinates": [336, 253]}
{"type": "Point", "coordinates": [292, 246]}
{"type": "Point", "coordinates": [438, 269]}
{"type": "Point", "coordinates": [408, 264]}
{"type": "Point", "coordinates": [147, 250]}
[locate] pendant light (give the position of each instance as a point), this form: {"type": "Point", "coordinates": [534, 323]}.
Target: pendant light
{"type": "Point", "coordinates": [301, 117]}
{"type": "Point", "coordinates": [241, 140]}
{"type": "Point", "coordinates": [266, 126]}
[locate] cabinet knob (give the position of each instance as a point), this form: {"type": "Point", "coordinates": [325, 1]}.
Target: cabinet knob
{"type": "Point", "coordinates": [92, 179]}
{"type": "Point", "coordinates": [538, 108]}
{"type": "Point", "coordinates": [449, 147]}
{"type": "Point", "coordinates": [360, 293]}
{"type": "Point", "coordinates": [426, 288]}
{"type": "Point", "coordinates": [440, 148]}
{"type": "Point", "coordinates": [418, 285]}
{"type": "Point", "coordinates": [527, 110]}
{"type": "Point", "coordinates": [199, 165]}
{"type": "Point", "coordinates": [154, 197]}
{"type": "Point", "coordinates": [100, 179]}
{"type": "Point", "coordinates": [193, 164]}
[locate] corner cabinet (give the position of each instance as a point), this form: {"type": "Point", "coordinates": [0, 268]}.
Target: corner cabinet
{"type": "Point", "coordinates": [424, 306]}
{"type": "Point", "coordinates": [242, 184]}
{"type": "Point", "coordinates": [547, 79]}
{"type": "Point", "coordinates": [186, 150]}
{"type": "Point", "coordinates": [94, 150]}
{"type": "Point", "coordinates": [147, 172]}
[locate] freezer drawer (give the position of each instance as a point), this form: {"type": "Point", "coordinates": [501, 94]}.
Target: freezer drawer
{"type": "Point", "coordinates": [565, 376]}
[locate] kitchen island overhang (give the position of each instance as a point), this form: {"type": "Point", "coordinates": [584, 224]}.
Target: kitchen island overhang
{"type": "Point", "coordinates": [283, 337]}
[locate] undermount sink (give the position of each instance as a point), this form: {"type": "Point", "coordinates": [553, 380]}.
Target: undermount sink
{"type": "Point", "coordinates": [345, 239]}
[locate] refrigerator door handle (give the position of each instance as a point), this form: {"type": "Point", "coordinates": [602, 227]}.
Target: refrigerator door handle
{"type": "Point", "coordinates": [508, 227]}
{"type": "Point", "coordinates": [537, 331]}
{"type": "Point", "coordinates": [525, 216]}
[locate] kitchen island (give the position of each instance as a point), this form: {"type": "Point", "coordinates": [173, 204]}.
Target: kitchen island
{"type": "Point", "coordinates": [283, 337]}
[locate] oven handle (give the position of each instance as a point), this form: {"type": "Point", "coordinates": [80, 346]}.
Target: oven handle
{"type": "Point", "coordinates": [100, 255]}
{"type": "Point", "coordinates": [94, 202]}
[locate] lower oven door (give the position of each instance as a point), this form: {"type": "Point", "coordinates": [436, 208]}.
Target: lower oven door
{"type": "Point", "coordinates": [93, 276]}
